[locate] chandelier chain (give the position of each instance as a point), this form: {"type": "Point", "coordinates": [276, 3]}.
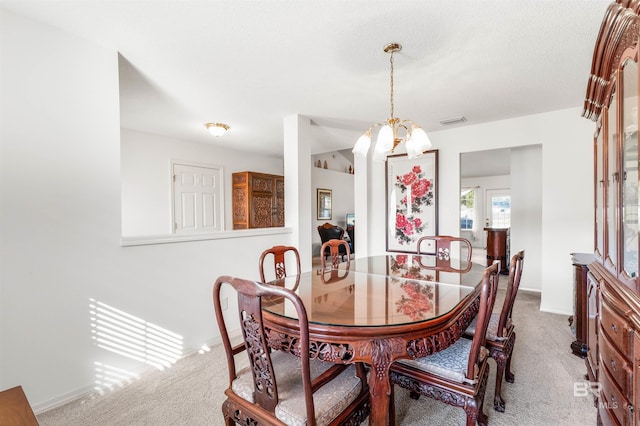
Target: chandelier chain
{"type": "Point", "coordinates": [391, 83]}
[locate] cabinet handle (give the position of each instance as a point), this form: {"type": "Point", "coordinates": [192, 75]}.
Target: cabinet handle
{"type": "Point", "coordinates": [614, 328]}
{"type": "Point", "coordinates": [613, 365]}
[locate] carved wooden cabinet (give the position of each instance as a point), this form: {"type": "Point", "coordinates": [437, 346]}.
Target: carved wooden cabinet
{"type": "Point", "coordinates": [613, 288]}
{"type": "Point", "coordinates": [618, 350]}
{"type": "Point", "coordinates": [498, 248]}
{"type": "Point", "coordinates": [258, 200]}
{"type": "Point", "coordinates": [580, 263]}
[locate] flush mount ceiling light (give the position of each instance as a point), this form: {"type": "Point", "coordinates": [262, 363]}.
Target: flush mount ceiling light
{"type": "Point", "coordinates": [394, 130]}
{"type": "Point", "coordinates": [217, 129]}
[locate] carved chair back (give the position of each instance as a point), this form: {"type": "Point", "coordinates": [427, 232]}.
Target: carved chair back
{"type": "Point", "coordinates": [515, 273]}
{"type": "Point", "coordinates": [445, 247]}
{"type": "Point", "coordinates": [490, 278]}
{"type": "Point", "coordinates": [337, 249]}
{"type": "Point", "coordinates": [279, 254]}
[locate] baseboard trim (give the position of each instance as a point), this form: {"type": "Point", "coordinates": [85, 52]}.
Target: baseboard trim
{"type": "Point", "coordinates": [88, 391]}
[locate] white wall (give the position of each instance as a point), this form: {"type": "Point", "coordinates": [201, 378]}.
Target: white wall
{"type": "Point", "coordinates": [60, 222]}
{"type": "Point", "coordinates": [146, 173]}
{"type": "Point", "coordinates": [335, 161]}
{"type": "Point", "coordinates": [526, 214]}
{"type": "Point", "coordinates": [341, 186]}
{"type": "Point", "coordinates": [567, 193]}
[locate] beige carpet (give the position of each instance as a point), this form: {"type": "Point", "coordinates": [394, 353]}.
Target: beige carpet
{"type": "Point", "coordinates": [191, 393]}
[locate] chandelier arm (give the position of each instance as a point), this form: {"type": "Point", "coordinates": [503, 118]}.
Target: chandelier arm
{"type": "Point", "coordinates": [401, 124]}
{"type": "Point", "coordinates": [373, 126]}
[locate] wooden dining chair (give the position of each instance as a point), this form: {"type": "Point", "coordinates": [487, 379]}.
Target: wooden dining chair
{"type": "Point", "coordinates": [279, 254]}
{"type": "Point", "coordinates": [330, 232]}
{"type": "Point", "coordinates": [283, 388]}
{"type": "Point", "coordinates": [445, 247]}
{"type": "Point", "coordinates": [458, 374]}
{"type": "Point", "coordinates": [337, 250]}
{"type": "Point", "coordinates": [501, 334]}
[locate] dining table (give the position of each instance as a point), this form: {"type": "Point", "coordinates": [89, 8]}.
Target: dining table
{"type": "Point", "coordinates": [377, 310]}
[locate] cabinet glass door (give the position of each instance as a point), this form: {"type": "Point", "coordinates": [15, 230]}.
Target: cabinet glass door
{"type": "Point", "coordinates": [629, 211]}
{"type": "Point", "coordinates": [599, 185]}
{"type": "Point", "coordinates": [612, 182]}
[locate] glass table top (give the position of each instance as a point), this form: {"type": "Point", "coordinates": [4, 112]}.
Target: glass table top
{"type": "Point", "coordinates": [380, 290]}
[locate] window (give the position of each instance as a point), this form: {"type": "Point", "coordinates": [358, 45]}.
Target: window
{"type": "Point", "coordinates": [197, 199]}
{"type": "Point", "coordinates": [467, 208]}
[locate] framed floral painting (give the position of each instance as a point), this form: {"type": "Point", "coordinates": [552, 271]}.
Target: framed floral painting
{"type": "Point", "coordinates": [412, 200]}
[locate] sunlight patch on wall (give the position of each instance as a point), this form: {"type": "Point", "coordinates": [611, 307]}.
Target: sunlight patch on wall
{"type": "Point", "coordinates": [127, 335]}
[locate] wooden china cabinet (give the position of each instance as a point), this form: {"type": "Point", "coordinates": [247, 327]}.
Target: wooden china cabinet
{"type": "Point", "coordinates": [258, 200]}
{"type": "Point", "coordinates": [613, 288]}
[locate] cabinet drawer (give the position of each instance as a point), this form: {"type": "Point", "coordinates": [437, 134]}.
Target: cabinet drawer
{"type": "Point", "coordinates": [607, 419]}
{"type": "Point", "coordinates": [616, 328]}
{"type": "Point", "coordinates": [617, 366]}
{"type": "Point", "coordinates": [611, 402]}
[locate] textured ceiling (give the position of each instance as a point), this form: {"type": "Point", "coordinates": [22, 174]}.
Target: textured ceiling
{"type": "Point", "coordinates": [251, 63]}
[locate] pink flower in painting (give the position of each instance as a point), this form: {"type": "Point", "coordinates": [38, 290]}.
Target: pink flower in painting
{"type": "Point", "coordinates": [401, 220]}
{"type": "Point", "coordinates": [401, 259]}
{"type": "Point", "coordinates": [409, 178]}
{"type": "Point", "coordinates": [408, 228]}
{"type": "Point", "coordinates": [417, 222]}
{"type": "Point", "coordinates": [419, 188]}
{"type": "Point", "coordinates": [416, 169]}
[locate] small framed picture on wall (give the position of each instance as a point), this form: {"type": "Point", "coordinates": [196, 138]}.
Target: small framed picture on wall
{"type": "Point", "coordinates": [324, 204]}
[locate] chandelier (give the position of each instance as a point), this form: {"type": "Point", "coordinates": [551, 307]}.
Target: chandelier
{"type": "Point", "coordinates": [394, 130]}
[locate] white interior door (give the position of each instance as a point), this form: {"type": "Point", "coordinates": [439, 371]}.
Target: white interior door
{"type": "Point", "coordinates": [498, 208]}
{"type": "Point", "coordinates": [197, 199]}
